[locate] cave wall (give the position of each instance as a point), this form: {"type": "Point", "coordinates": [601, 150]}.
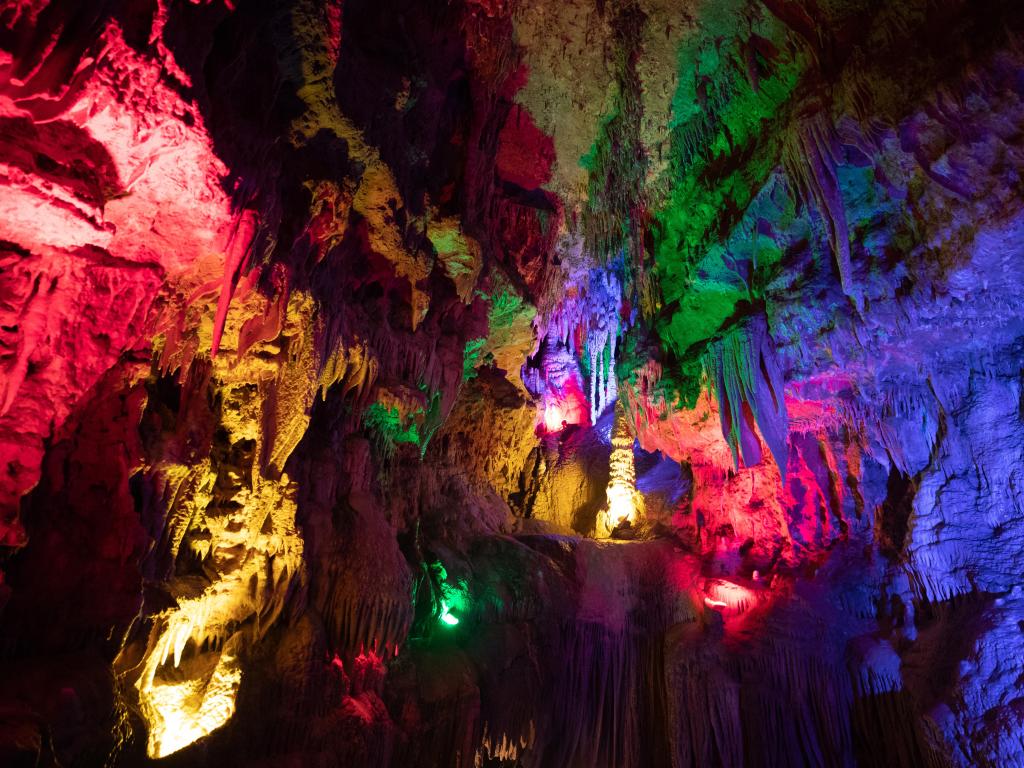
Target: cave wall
{"type": "Point", "coordinates": [313, 318]}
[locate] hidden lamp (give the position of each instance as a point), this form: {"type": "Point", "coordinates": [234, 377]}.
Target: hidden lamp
{"type": "Point", "coordinates": [447, 617]}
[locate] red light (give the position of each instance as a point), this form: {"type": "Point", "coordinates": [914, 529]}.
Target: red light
{"type": "Point", "coordinates": [563, 407]}
{"type": "Point", "coordinates": [554, 418]}
{"type": "Point", "coordinates": [730, 597]}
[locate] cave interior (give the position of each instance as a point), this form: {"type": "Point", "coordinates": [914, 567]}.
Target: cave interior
{"type": "Point", "coordinates": [511, 383]}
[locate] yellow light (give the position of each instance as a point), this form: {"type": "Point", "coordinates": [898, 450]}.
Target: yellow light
{"type": "Point", "coordinates": [180, 713]}
{"type": "Point", "coordinates": [621, 508]}
{"type": "Point", "coordinates": [624, 503]}
{"type": "Point", "coordinates": [250, 551]}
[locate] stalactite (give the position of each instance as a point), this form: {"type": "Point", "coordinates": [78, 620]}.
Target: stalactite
{"type": "Point", "coordinates": [236, 251]}
{"type": "Point", "coordinates": [811, 166]}
{"type": "Point", "coordinates": [744, 374]}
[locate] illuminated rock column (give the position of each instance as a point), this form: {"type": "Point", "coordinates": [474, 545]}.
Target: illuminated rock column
{"type": "Point", "coordinates": [624, 503]}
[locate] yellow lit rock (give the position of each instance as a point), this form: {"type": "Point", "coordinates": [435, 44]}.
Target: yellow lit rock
{"type": "Point", "coordinates": [625, 504]}
{"type": "Point", "coordinates": [460, 254]}
{"type": "Point", "coordinates": [232, 511]}
{"type": "Point", "coordinates": [376, 197]}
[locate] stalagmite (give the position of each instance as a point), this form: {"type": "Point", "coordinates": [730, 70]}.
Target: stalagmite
{"type": "Point", "coordinates": [624, 506]}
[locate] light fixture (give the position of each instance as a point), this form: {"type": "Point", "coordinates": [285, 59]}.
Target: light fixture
{"type": "Point", "coordinates": [447, 618]}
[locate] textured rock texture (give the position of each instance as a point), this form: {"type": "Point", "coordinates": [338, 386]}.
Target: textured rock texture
{"type": "Point", "coordinates": [511, 383]}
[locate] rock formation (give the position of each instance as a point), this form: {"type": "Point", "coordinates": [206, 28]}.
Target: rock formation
{"type": "Point", "coordinates": [520, 383]}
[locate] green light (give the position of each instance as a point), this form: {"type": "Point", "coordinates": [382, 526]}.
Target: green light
{"type": "Point", "coordinates": [446, 617]}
